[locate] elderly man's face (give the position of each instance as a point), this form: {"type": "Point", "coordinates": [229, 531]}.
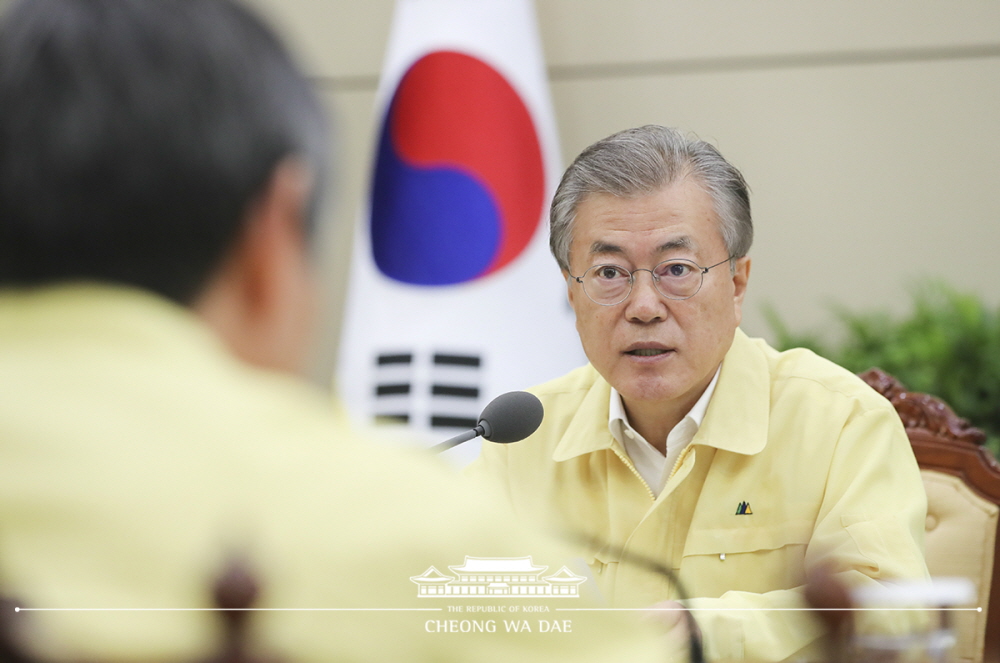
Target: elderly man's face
{"type": "Point", "coordinates": [655, 350]}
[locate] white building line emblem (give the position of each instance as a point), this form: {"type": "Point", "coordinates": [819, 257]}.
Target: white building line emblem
{"type": "Point", "coordinates": [498, 576]}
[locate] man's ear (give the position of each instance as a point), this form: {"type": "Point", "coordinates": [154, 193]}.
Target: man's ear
{"type": "Point", "coordinates": [261, 299]}
{"type": "Point", "coordinates": [569, 288]}
{"type": "Point", "coordinates": [740, 279]}
{"type": "Point", "coordinates": [274, 234]}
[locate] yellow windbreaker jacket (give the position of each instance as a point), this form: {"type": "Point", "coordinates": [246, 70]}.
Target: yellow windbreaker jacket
{"type": "Point", "coordinates": [797, 461]}
{"type": "Point", "coordinates": [139, 455]}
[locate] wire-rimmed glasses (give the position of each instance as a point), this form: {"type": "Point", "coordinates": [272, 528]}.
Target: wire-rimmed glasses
{"type": "Point", "coordinates": [677, 278]}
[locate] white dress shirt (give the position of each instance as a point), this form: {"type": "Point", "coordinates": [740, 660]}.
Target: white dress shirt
{"type": "Point", "coordinates": [654, 467]}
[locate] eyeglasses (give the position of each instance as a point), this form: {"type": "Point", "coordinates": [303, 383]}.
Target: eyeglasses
{"type": "Point", "coordinates": [608, 285]}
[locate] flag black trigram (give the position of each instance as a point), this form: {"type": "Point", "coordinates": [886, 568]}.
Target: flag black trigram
{"type": "Point", "coordinates": [441, 388]}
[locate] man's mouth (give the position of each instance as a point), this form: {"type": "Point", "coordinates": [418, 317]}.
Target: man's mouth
{"type": "Point", "coordinates": [647, 352]}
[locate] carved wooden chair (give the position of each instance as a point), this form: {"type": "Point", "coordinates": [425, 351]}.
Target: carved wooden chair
{"type": "Point", "coordinates": [963, 502]}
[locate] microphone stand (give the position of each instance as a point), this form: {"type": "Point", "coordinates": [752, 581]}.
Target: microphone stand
{"type": "Point", "coordinates": [695, 651]}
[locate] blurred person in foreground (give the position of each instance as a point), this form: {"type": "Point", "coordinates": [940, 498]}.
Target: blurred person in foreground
{"type": "Point", "coordinates": [160, 167]}
{"type": "Point", "coordinates": [689, 444]}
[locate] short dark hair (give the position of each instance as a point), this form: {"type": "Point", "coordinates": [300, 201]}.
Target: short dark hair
{"type": "Point", "coordinates": [134, 134]}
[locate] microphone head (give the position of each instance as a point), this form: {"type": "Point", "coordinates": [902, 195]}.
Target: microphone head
{"type": "Point", "coordinates": [511, 417]}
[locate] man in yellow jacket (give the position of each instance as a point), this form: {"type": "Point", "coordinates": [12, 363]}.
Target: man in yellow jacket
{"type": "Point", "coordinates": [159, 165]}
{"type": "Point", "coordinates": [688, 445]}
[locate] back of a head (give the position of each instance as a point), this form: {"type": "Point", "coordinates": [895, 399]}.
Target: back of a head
{"type": "Point", "coordinates": [134, 134]}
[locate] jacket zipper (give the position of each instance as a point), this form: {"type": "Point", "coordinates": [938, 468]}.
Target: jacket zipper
{"type": "Point", "coordinates": [629, 465]}
{"type": "Point", "coordinates": [680, 459]}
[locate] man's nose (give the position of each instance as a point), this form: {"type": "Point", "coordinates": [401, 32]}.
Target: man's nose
{"type": "Point", "coordinates": [645, 303]}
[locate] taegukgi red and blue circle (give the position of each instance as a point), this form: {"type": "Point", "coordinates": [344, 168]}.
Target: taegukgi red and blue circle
{"type": "Point", "coordinates": [459, 179]}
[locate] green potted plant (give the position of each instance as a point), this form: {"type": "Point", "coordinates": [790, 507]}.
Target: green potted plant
{"type": "Point", "coordinates": [948, 346]}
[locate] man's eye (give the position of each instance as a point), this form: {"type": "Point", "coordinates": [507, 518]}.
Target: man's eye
{"type": "Point", "coordinates": [675, 270]}
{"type": "Point", "coordinates": [609, 272]}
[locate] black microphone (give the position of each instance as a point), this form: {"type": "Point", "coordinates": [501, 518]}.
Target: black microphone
{"type": "Point", "coordinates": [509, 417]}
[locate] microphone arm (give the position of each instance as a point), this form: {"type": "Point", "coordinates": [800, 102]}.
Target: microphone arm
{"type": "Point", "coordinates": [482, 429]}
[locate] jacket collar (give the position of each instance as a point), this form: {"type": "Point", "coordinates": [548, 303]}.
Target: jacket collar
{"type": "Point", "coordinates": [588, 429]}
{"type": "Point", "coordinates": [736, 420]}
{"type": "Point", "coordinates": [739, 412]}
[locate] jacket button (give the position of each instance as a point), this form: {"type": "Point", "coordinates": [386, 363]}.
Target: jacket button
{"type": "Point", "coordinates": [722, 557]}
{"type": "Point", "coordinates": [931, 522]}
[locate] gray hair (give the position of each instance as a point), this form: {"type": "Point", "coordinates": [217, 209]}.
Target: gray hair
{"type": "Point", "coordinates": [641, 161]}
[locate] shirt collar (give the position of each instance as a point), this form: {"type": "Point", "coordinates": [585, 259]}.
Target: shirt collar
{"type": "Point", "coordinates": [618, 419]}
